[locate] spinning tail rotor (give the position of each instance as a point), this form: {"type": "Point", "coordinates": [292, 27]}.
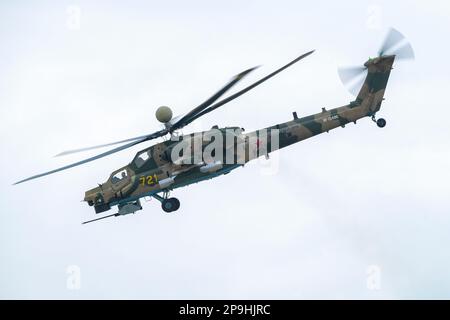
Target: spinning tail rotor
{"type": "Point", "coordinates": [394, 44]}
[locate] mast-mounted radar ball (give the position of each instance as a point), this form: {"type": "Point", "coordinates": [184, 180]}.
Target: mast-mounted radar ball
{"type": "Point", "coordinates": [163, 114]}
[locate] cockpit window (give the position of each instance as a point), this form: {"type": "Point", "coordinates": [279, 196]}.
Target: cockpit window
{"type": "Point", "coordinates": [119, 176]}
{"type": "Point", "coordinates": [142, 158]}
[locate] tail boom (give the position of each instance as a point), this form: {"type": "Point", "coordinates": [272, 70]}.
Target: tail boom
{"type": "Point", "coordinates": [367, 103]}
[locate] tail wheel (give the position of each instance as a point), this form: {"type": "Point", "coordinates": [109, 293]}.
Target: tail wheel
{"type": "Point", "coordinates": [381, 123]}
{"type": "Point", "coordinates": [170, 205]}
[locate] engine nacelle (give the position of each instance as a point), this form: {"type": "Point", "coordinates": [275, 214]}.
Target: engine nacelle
{"type": "Point", "coordinates": [211, 167]}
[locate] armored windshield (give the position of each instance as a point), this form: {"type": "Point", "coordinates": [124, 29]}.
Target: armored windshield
{"type": "Point", "coordinates": [141, 158]}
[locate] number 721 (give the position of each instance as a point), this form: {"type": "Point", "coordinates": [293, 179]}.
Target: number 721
{"type": "Point", "coordinates": [148, 180]}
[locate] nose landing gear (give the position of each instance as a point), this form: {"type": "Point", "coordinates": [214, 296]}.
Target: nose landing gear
{"type": "Point", "coordinates": [381, 123]}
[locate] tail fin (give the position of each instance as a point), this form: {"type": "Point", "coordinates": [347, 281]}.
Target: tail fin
{"type": "Point", "coordinates": [378, 71]}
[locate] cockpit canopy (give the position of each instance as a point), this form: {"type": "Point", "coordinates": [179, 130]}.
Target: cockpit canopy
{"type": "Point", "coordinates": [119, 175]}
{"type": "Point", "coordinates": [142, 157]}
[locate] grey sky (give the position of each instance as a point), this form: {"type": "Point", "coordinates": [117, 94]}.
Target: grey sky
{"type": "Point", "coordinates": [338, 203]}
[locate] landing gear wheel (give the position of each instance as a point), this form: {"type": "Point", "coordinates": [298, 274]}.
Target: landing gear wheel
{"type": "Point", "coordinates": [167, 205]}
{"type": "Point", "coordinates": [381, 123]}
{"type": "Point", "coordinates": [171, 204]}
{"type": "Point", "coordinates": [176, 204]}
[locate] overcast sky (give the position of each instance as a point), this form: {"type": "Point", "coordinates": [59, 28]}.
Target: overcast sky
{"type": "Point", "coordinates": [360, 212]}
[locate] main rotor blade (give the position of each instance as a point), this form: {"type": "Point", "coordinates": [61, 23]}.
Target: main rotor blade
{"type": "Point", "coordinates": [199, 108]}
{"type": "Point", "coordinates": [98, 146]}
{"type": "Point", "coordinates": [101, 155]}
{"type": "Point", "coordinates": [237, 94]}
{"type": "Point", "coordinates": [183, 120]}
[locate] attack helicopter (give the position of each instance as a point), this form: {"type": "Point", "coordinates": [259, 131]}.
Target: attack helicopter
{"type": "Point", "coordinates": [182, 160]}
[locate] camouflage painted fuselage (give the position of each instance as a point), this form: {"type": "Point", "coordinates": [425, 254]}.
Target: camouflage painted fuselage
{"type": "Point", "coordinates": [155, 170]}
